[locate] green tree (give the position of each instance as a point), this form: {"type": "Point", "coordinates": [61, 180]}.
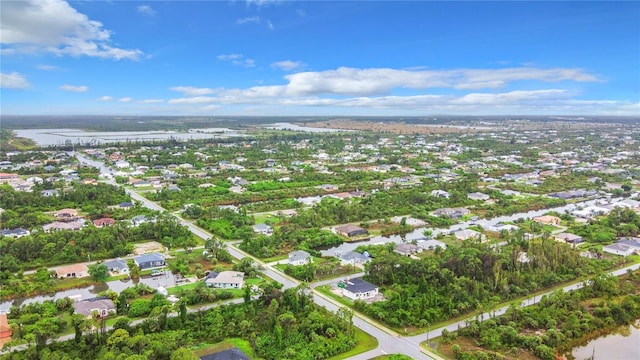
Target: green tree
{"type": "Point", "coordinates": [99, 272]}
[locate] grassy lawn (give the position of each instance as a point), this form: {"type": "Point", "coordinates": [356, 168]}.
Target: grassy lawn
{"type": "Point", "coordinates": [392, 356]}
{"type": "Point", "coordinates": [243, 345]}
{"type": "Point", "coordinates": [365, 342]}
{"type": "Point", "coordinates": [262, 218]}
{"type": "Point", "coordinates": [326, 289]}
{"type": "Point", "coordinates": [73, 283]}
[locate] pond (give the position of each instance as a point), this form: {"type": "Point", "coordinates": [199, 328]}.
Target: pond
{"type": "Point", "coordinates": [46, 137]}
{"type": "Point", "coordinates": [294, 127]}
{"type": "Point", "coordinates": [622, 344]}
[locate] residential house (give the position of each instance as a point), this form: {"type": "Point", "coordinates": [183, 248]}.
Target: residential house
{"type": "Point", "coordinates": [102, 306]}
{"type": "Point", "coordinates": [351, 230]}
{"type": "Point", "coordinates": [547, 220]}
{"type": "Point", "coordinates": [125, 205]}
{"type": "Point", "coordinates": [7, 178]}
{"type": "Point", "coordinates": [500, 227]}
{"type": "Point", "coordinates": [478, 196]}
{"type": "Point", "coordinates": [140, 219]}
{"type": "Point", "coordinates": [118, 266]}
{"type": "Point", "coordinates": [102, 222]}
{"type": "Point", "coordinates": [619, 249]}
{"type": "Point", "coordinates": [72, 271]}
{"type": "Point", "coordinates": [467, 234]}
{"type": "Point", "coordinates": [60, 225]}
{"type": "Point", "coordinates": [353, 258]}
{"type": "Point", "coordinates": [299, 257]}
{"type": "Point", "coordinates": [452, 213]}
{"type": "Point", "coordinates": [263, 229]}
{"type": "Point", "coordinates": [358, 289]}
{"type": "Point", "coordinates": [149, 261]}
{"type": "Point", "coordinates": [230, 354]}
{"type": "Point", "coordinates": [624, 246]}
{"type": "Point", "coordinates": [328, 187]}
{"type": "Point", "coordinates": [66, 215]}
{"type": "Point", "coordinates": [440, 194]}
{"type": "Point", "coordinates": [15, 233]}
{"type": "Point", "coordinates": [49, 193]}
{"type": "Point", "coordinates": [226, 280]}
{"type": "Point", "coordinates": [408, 249]}
{"type": "Point", "coordinates": [5, 329]}
{"type": "Point", "coordinates": [569, 238]}
{"type": "Point", "coordinates": [430, 244]}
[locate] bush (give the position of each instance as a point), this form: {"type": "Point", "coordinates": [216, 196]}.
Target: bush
{"type": "Point", "coordinates": [139, 307]}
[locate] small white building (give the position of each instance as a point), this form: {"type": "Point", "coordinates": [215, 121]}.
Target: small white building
{"type": "Point", "coordinates": [263, 229]}
{"type": "Point", "coordinates": [299, 257]}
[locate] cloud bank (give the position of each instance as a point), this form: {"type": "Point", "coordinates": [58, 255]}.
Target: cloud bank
{"type": "Point", "coordinates": [53, 26]}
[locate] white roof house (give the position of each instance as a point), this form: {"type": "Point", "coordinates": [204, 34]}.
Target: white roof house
{"type": "Point", "coordinates": [227, 280]}
{"type": "Point", "coordinates": [299, 257]}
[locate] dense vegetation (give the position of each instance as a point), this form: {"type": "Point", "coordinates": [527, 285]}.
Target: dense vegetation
{"type": "Point", "coordinates": [464, 278]}
{"type": "Point", "coordinates": [279, 325]}
{"type": "Point", "coordinates": [289, 238]}
{"type": "Point", "coordinates": [554, 324]}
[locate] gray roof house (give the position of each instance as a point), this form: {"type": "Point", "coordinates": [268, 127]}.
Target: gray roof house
{"type": "Point", "coordinates": [299, 257]}
{"type": "Point", "coordinates": [102, 305]}
{"type": "Point", "coordinates": [149, 261]}
{"type": "Point", "coordinates": [117, 266]}
{"type": "Point", "coordinates": [358, 289]}
{"type": "Point", "coordinates": [263, 229]}
{"type": "Point", "coordinates": [15, 233]}
{"type": "Point", "coordinates": [353, 258]}
{"type": "Point", "coordinates": [226, 280]}
{"type": "Point", "coordinates": [229, 354]}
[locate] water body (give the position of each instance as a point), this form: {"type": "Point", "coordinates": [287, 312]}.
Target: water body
{"type": "Point", "coordinates": [294, 127]}
{"type": "Point", "coordinates": [47, 137]}
{"type": "Point", "coordinates": [167, 280]}
{"type": "Point", "coordinates": [485, 223]}
{"type": "Point", "coordinates": [622, 344]}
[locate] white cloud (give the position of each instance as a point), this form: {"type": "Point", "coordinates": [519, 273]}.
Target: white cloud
{"type": "Point", "coordinates": [146, 10]}
{"type": "Point", "coordinates": [105, 98]}
{"type": "Point", "coordinates": [211, 107]}
{"type": "Point", "coordinates": [287, 65]}
{"type": "Point", "coordinates": [125, 99]}
{"type": "Point", "coordinates": [192, 91]}
{"type": "Point", "coordinates": [151, 101]}
{"type": "Point", "coordinates": [193, 100]}
{"type": "Point", "coordinates": [247, 20]}
{"type": "Point", "coordinates": [45, 67]}
{"type": "Point", "coordinates": [353, 81]}
{"type": "Point", "coordinates": [13, 80]}
{"type": "Point", "coordinates": [237, 59]}
{"type": "Point", "coordinates": [270, 25]}
{"type": "Point", "coordinates": [54, 26]}
{"type": "Point", "coordinates": [74, 88]}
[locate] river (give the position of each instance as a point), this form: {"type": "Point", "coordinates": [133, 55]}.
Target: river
{"type": "Point", "coordinates": [166, 281]}
{"type": "Point", "coordinates": [485, 223]}
{"type": "Point", "coordinates": [618, 345]}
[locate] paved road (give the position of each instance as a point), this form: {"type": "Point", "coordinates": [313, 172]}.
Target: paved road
{"type": "Point", "coordinates": [389, 342]}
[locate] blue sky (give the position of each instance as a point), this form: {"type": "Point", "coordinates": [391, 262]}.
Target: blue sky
{"type": "Point", "coordinates": [264, 57]}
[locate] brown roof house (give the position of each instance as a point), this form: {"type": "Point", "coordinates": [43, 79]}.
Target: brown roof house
{"type": "Point", "coordinates": [547, 220]}
{"type": "Point", "coordinates": [102, 306]}
{"type": "Point", "coordinates": [72, 271]}
{"type": "Point", "coordinates": [5, 329]}
{"type": "Point", "coordinates": [66, 214]}
{"type": "Point", "coordinates": [351, 230]}
{"type": "Point", "coordinates": [102, 222]}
